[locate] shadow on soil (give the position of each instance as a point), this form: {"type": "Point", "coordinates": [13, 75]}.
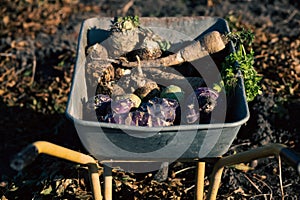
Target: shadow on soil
{"type": "Point", "coordinates": [20, 127]}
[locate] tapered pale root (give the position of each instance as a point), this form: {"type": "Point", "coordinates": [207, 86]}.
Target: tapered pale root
{"type": "Point", "coordinates": [210, 43]}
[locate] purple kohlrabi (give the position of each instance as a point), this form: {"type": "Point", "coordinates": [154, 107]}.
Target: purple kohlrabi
{"type": "Point", "coordinates": [202, 102]}
{"type": "Point", "coordinates": [153, 113]}
{"type": "Point", "coordinates": [99, 105]}
{"type": "Point", "coordinates": [161, 110]}
{"type": "Point", "coordinates": [133, 118]}
{"type": "Point", "coordinates": [140, 118]}
{"type": "Point", "coordinates": [122, 106]}
{"type": "Point", "coordinates": [192, 113]}
{"type": "Point", "coordinates": [120, 118]}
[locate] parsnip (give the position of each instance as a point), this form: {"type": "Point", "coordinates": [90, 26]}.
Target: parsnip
{"type": "Point", "coordinates": [210, 43]}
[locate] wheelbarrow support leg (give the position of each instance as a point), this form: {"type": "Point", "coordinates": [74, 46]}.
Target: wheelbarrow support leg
{"type": "Point", "coordinates": [107, 182]}
{"type": "Point", "coordinates": [261, 152]}
{"type": "Point", "coordinates": [95, 182]}
{"type": "Point", "coordinates": [28, 155]}
{"type": "Point", "coordinates": [200, 180]}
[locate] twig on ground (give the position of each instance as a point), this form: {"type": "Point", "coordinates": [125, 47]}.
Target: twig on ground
{"type": "Point", "coordinates": [182, 170]}
{"type": "Point", "coordinates": [252, 183]}
{"type": "Point", "coordinates": [259, 195]}
{"type": "Point", "coordinates": [6, 73]}
{"type": "Point", "coordinates": [238, 191]}
{"type": "Point", "coordinates": [292, 15]}
{"type": "Point", "coordinates": [189, 188]}
{"type": "Point", "coordinates": [33, 69]}
{"type": "Point", "coordinates": [6, 55]}
{"type": "Point", "coordinates": [280, 177]}
{"type": "Point", "coordinates": [265, 184]}
{"type": "Point", "coordinates": [288, 185]}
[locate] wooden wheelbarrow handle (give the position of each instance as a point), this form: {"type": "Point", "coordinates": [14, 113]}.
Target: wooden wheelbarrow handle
{"type": "Point", "coordinates": [281, 150]}
{"type": "Point", "coordinates": [29, 154]}
{"type": "Point", "coordinates": [291, 157]}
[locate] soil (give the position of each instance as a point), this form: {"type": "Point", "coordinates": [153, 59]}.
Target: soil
{"type": "Point", "coordinates": [37, 55]}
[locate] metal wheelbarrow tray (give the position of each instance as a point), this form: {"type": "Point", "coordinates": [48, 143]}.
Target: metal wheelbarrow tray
{"type": "Point", "coordinates": [112, 142]}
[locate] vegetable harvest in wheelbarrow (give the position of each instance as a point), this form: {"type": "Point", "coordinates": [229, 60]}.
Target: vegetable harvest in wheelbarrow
{"type": "Point", "coordinates": [140, 79]}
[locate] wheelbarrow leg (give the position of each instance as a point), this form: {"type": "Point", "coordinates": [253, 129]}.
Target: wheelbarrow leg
{"type": "Point", "coordinates": [200, 180]}
{"type": "Point", "coordinates": [107, 182]}
{"type": "Point", "coordinates": [95, 183]}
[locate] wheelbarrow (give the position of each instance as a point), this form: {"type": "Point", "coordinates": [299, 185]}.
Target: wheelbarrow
{"type": "Point", "coordinates": [140, 149]}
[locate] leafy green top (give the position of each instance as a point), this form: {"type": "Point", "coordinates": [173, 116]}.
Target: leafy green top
{"type": "Point", "coordinates": [126, 23]}
{"type": "Point", "coordinates": [243, 61]}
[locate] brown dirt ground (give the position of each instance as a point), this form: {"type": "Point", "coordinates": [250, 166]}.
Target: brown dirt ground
{"type": "Point", "coordinates": [37, 56]}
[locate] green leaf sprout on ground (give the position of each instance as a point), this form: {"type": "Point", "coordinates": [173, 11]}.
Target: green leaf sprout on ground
{"type": "Point", "coordinates": [244, 61]}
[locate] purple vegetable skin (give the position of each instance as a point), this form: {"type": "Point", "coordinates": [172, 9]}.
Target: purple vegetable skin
{"type": "Point", "coordinates": [98, 101]}
{"type": "Point", "coordinates": [121, 112]}
{"type": "Point", "coordinates": [204, 99]}
{"type": "Point", "coordinates": [140, 118]}
{"type": "Point", "coordinates": [134, 118]}
{"type": "Point", "coordinates": [207, 99]}
{"type": "Point", "coordinates": [161, 110]}
{"type": "Point", "coordinates": [99, 105]}
{"type": "Point", "coordinates": [153, 113]}
{"type": "Point", "coordinates": [102, 104]}
{"type": "Point", "coordinates": [192, 115]}
{"type": "Point", "coordinates": [122, 106]}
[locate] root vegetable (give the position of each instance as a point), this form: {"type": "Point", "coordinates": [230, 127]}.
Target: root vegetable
{"type": "Point", "coordinates": [210, 43]}
{"type": "Point", "coordinates": [135, 118]}
{"type": "Point", "coordinates": [98, 106]}
{"type": "Point", "coordinates": [150, 47]}
{"type": "Point", "coordinates": [119, 43]}
{"type": "Point", "coordinates": [134, 98]}
{"type": "Point", "coordinates": [153, 113]}
{"type": "Point", "coordinates": [162, 111]}
{"type": "Point", "coordinates": [122, 106]}
{"type": "Point", "coordinates": [173, 92]}
{"type": "Point", "coordinates": [204, 99]}
{"type": "Point", "coordinates": [149, 50]}
{"type": "Point", "coordinates": [145, 84]}
{"type": "Point", "coordinates": [117, 90]}
{"type": "Point", "coordinates": [137, 83]}
{"type": "Point", "coordinates": [164, 77]}
{"type": "Point", "coordinates": [148, 91]}
{"type": "Point", "coordinates": [96, 52]}
{"type": "Point", "coordinates": [99, 72]}
{"type": "Point", "coordinates": [124, 36]}
{"type": "Point", "coordinates": [123, 92]}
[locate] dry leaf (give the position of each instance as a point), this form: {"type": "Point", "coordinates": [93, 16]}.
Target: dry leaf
{"type": "Point", "coordinates": [47, 190]}
{"type": "Point", "coordinates": [243, 167]}
{"type": "Point", "coordinates": [2, 92]}
{"type": "Point", "coordinates": [6, 20]}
